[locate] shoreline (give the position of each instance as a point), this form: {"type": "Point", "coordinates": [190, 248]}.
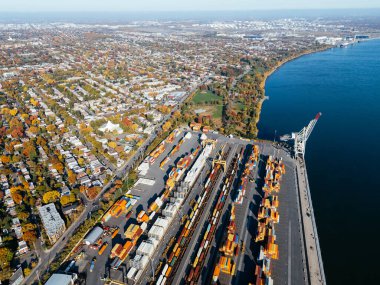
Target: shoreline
{"type": "Point", "coordinates": [268, 73]}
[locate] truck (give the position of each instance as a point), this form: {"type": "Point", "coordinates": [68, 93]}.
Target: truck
{"type": "Point", "coordinates": [92, 264]}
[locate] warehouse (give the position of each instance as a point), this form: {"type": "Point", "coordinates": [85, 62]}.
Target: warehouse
{"type": "Point", "coordinates": [62, 279]}
{"type": "Point", "coordinates": [93, 236]}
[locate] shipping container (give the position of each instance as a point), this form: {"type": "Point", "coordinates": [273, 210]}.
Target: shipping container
{"type": "Point", "coordinates": [115, 232]}
{"type": "Point", "coordinates": [103, 248]}
{"type": "Point", "coordinates": [169, 271]}
{"type": "Point", "coordinates": [165, 269]}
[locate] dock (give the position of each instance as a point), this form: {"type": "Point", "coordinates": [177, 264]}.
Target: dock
{"type": "Point", "coordinates": [314, 263]}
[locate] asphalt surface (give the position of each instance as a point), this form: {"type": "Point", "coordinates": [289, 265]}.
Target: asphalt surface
{"type": "Point", "coordinates": [289, 268]}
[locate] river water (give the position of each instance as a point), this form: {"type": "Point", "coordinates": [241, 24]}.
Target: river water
{"type": "Point", "coordinates": [342, 154]}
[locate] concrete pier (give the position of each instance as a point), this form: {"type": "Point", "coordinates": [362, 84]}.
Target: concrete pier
{"type": "Point", "coordinates": [314, 263]}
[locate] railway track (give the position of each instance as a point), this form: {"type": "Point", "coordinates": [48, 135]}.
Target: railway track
{"type": "Point", "coordinates": [212, 221]}
{"type": "Point", "coordinates": [170, 266]}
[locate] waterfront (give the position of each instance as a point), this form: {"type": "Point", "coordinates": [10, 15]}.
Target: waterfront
{"type": "Point", "coordinates": [344, 84]}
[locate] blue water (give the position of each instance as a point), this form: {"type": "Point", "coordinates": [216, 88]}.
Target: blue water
{"type": "Point", "coordinates": [342, 153]}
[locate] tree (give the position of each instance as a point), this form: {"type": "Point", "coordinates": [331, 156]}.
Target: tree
{"type": "Point", "coordinates": [58, 166]}
{"type": "Point", "coordinates": [5, 159]}
{"type": "Point", "coordinates": [6, 256]}
{"type": "Point", "coordinates": [13, 112]}
{"type": "Point", "coordinates": [23, 216]}
{"type": "Point", "coordinates": [81, 161]}
{"type": "Point", "coordinates": [166, 126]}
{"type": "Point", "coordinates": [17, 198]}
{"type": "Point", "coordinates": [50, 196]}
{"type": "Point", "coordinates": [71, 177]}
{"type": "Point", "coordinates": [50, 128]}
{"type": "Point", "coordinates": [83, 188]}
{"type": "Point", "coordinates": [27, 271]}
{"type": "Point", "coordinates": [30, 236]}
{"type": "Point", "coordinates": [67, 199]}
{"type": "Point", "coordinates": [28, 227]}
{"type": "Point", "coordinates": [33, 129]}
{"type": "Point", "coordinates": [112, 144]}
{"type": "Point", "coordinates": [92, 192]}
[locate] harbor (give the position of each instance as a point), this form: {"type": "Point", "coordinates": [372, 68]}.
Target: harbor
{"type": "Point", "coordinates": [207, 208]}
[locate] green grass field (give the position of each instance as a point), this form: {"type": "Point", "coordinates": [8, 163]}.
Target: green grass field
{"type": "Point", "coordinates": [217, 112]}
{"type": "Point", "coordinates": [239, 106]}
{"type": "Point", "coordinates": [205, 97]}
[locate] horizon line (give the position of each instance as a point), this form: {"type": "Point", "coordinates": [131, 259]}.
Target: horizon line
{"type": "Point", "coordinates": [165, 11]}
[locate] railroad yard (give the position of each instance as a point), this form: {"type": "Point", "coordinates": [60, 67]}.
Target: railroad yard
{"type": "Point", "coordinates": [206, 209]}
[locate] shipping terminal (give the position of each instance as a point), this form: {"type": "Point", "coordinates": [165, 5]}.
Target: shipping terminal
{"type": "Point", "coordinates": [209, 209]}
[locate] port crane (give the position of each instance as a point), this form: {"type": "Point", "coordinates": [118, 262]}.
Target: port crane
{"type": "Point", "coordinates": [301, 137]}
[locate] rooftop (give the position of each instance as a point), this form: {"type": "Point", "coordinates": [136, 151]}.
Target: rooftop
{"type": "Point", "coordinates": [51, 219]}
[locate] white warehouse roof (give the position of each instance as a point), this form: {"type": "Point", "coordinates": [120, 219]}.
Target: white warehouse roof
{"type": "Point", "coordinates": [93, 236]}
{"type": "Point", "coordinates": [61, 279]}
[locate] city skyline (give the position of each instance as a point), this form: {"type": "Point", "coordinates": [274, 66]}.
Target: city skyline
{"type": "Point", "coordinates": [170, 5]}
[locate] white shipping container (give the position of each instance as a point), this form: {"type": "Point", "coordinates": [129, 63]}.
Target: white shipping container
{"type": "Point", "coordinates": [156, 232]}
{"type": "Point", "coordinates": [191, 223]}
{"type": "Point", "coordinates": [162, 222]}
{"type": "Point", "coordinates": [165, 268]}
{"type": "Point", "coordinates": [144, 226]}
{"type": "Point", "coordinates": [131, 273]}
{"type": "Point", "coordinates": [197, 166]}
{"type": "Point", "coordinates": [199, 251]}
{"type": "Point", "coordinates": [151, 216]}
{"type": "Point", "coordinates": [160, 279]}
{"type": "Point", "coordinates": [207, 182]}
{"type": "Point", "coordinates": [158, 201]}
{"type": "Point", "coordinates": [146, 248]}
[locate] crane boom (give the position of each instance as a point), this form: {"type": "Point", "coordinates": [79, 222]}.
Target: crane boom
{"type": "Point", "coordinates": [302, 136]}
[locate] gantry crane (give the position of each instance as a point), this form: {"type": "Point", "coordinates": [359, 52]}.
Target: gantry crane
{"type": "Point", "coordinates": [301, 137]}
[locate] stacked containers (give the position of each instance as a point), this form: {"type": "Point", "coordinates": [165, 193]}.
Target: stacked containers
{"type": "Point", "coordinates": [268, 216]}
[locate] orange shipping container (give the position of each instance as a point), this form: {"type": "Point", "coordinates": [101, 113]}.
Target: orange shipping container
{"type": "Point", "coordinates": [167, 274]}
{"type": "Point", "coordinates": [102, 249]}
{"type": "Point", "coordinates": [115, 233]}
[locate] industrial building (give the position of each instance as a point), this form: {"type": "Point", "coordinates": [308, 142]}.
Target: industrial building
{"type": "Point", "coordinates": [62, 279]}
{"type": "Point", "coordinates": [52, 221]}
{"type": "Point", "coordinates": [93, 236]}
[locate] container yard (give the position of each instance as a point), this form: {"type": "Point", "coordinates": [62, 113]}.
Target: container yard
{"type": "Point", "coordinates": [212, 210]}
{"type": "Point", "coordinates": [213, 220]}
{"type": "Point", "coordinates": [268, 217]}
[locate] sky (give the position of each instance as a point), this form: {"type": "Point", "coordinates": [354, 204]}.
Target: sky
{"type": "Point", "coordinates": [179, 5]}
